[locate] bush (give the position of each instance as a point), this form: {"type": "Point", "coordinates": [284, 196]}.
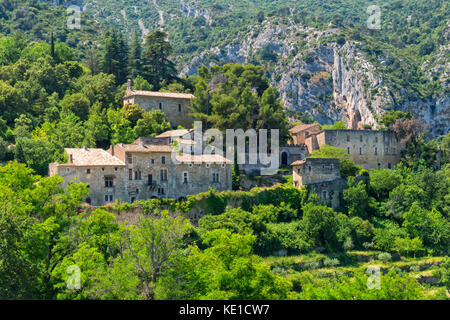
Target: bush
{"type": "Point", "coordinates": [330, 263]}
{"type": "Point", "coordinates": [385, 257]}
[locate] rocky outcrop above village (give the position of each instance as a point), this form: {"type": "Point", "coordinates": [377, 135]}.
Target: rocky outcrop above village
{"type": "Point", "coordinates": [328, 80]}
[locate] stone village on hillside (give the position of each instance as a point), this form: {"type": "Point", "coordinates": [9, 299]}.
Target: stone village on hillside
{"type": "Point", "coordinates": [144, 169]}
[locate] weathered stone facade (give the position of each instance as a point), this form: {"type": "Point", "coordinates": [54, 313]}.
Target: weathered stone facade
{"type": "Point", "coordinates": [323, 177]}
{"type": "Point", "coordinates": [301, 132]}
{"type": "Point", "coordinates": [174, 105]}
{"type": "Point", "coordinates": [369, 149]}
{"type": "Point", "coordinates": [312, 170]}
{"type": "Point", "coordinates": [143, 170]}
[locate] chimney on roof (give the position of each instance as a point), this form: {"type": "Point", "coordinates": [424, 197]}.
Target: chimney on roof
{"type": "Point", "coordinates": [70, 158]}
{"type": "Point", "coordinates": [129, 84]}
{"type": "Point", "coordinates": [112, 150]}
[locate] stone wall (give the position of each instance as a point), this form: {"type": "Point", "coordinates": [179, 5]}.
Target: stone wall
{"type": "Point", "coordinates": [200, 177]}
{"type": "Point", "coordinates": [368, 148]}
{"type": "Point", "coordinates": [313, 170]}
{"type": "Point", "coordinates": [174, 108]}
{"type": "Point", "coordinates": [94, 176]}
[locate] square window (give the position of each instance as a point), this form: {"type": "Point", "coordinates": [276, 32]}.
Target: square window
{"type": "Point", "coordinates": [88, 171]}
{"type": "Point", "coordinates": [109, 182]}
{"type": "Point", "coordinates": [163, 160]}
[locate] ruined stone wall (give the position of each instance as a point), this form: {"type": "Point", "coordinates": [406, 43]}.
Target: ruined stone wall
{"type": "Point", "coordinates": [313, 170]}
{"type": "Point", "coordinates": [170, 106]}
{"type": "Point", "coordinates": [369, 149]}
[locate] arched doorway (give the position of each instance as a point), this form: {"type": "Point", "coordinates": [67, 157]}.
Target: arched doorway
{"type": "Point", "coordinates": [284, 158]}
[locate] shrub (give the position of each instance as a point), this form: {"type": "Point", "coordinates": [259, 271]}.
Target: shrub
{"type": "Point", "coordinates": [385, 257]}
{"type": "Point", "coordinates": [330, 263]}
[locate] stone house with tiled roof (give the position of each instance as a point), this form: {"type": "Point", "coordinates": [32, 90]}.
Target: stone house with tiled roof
{"type": "Point", "coordinates": [174, 105]}
{"type": "Point", "coordinates": [147, 168]}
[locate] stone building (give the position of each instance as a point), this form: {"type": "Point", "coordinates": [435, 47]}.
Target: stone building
{"type": "Point", "coordinates": [323, 177]}
{"type": "Point", "coordinates": [143, 170]}
{"type": "Point", "coordinates": [300, 132]}
{"type": "Point", "coordinates": [369, 149]}
{"type": "Point", "coordinates": [311, 170]}
{"type": "Point", "coordinates": [99, 169]}
{"type": "Point", "coordinates": [174, 105]}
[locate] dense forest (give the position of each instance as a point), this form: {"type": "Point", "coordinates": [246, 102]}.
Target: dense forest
{"type": "Point", "coordinates": [63, 88]}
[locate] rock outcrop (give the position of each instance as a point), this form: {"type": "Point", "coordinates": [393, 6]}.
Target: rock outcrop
{"type": "Point", "coordinates": [328, 80]}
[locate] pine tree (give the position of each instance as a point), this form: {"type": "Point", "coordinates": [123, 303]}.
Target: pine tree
{"type": "Point", "coordinates": [236, 176]}
{"type": "Point", "coordinates": [52, 46]}
{"type": "Point", "coordinates": [115, 56]}
{"type": "Point", "coordinates": [156, 64]}
{"type": "Point", "coordinates": [135, 63]}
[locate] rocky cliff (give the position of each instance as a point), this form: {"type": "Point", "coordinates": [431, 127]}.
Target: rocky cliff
{"type": "Point", "coordinates": [327, 79]}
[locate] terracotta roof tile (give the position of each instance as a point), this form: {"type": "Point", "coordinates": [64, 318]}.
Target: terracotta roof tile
{"type": "Point", "coordinates": [302, 127]}
{"type": "Point", "coordinates": [157, 94]}
{"type": "Point", "coordinates": [91, 157]}
{"type": "Point", "coordinates": [174, 133]}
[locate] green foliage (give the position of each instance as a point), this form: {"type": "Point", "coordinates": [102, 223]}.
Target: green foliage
{"type": "Point", "coordinates": [392, 287]}
{"type": "Point", "coordinates": [234, 96]}
{"type": "Point", "coordinates": [356, 199]}
{"type": "Point", "coordinates": [348, 168]}
{"type": "Point", "coordinates": [385, 257]}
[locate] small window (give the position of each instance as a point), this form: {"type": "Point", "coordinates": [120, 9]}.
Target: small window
{"type": "Point", "coordinates": [109, 198]}
{"type": "Point", "coordinates": [348, 138]}
{"type": "Point", "coordinates": [376, 151]}
{"type": "Point", "coordinates": [153, 161]}
{"type": "Point", "coordinates": [376, 139]}
{"type": "Point", "coordinates": [299, 171]}
{"type": "Point", "coordinates": [160, 106]}
{"type": "Point", "coordinates": [207, 165]}
{"type": "Point", "coordinates": [130, 174]}
{"type": "Point", "coordinates": [179, 107]}
{"type": "Point", "coordinates": [163, 160]}
{"type": "Point", "coordinates": [360, 139]}
{"type": "Point", "coordinates": [190, 165]}
{"type": "Point", "coordinates": [215, 177]}
{"type": "Point", "coordinates": [103, 169]}
{"type": "Point", "coordinates": [324, 195]}
{"type": "Point", "coordinates": [389, 166]}
{"type": "Point", "coordinates": [185, 177]}
{"type": "Point", "coordinates": [360, 151]}
{"type": "Point", "coordinates": [137, 191]}
{"type": "Point", "coordinates": [88, 200]}
{"type": "Point", "coordinates": [115, 169]}
{"type": "Point", "coordinates": [348, 150]}
{"type": "Point", "coordinates": [163, 175]}
{"type": "Point", "coordinates": [309, 168]}
{"type": "Point", "coordinates": [88, 171]}
{"type": "Point", "coordinates": [129, 158]}
{"type": "Point", "coordinates": [160, 191]}
{"type": "Point", "coordinates": [149, 179]}
{"type": "Point", "coordinates": [223, 165]}
{"type": "Point", "coordinates": [109, 182]}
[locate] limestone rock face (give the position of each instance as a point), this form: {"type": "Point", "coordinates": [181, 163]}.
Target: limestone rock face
{"type": "Point", "coordinates": [330, 81]}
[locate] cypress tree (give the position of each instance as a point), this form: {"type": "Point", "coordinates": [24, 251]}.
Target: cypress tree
{"type": "Point", "coordinates": [135, 63]}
